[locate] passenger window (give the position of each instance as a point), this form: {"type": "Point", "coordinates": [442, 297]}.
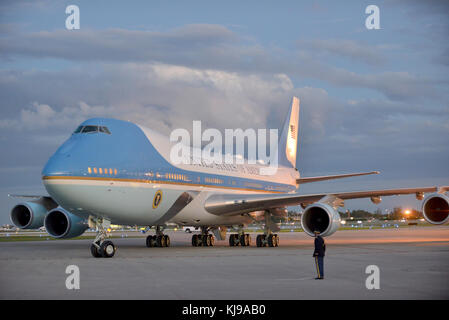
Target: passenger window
{"type": "Point", "coordinates": [90, 129]}
{"type": "Point", "coordinates": [105, 130]}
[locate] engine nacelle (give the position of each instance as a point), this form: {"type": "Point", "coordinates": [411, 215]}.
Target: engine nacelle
{"type": "Point", "coordinates": [321, 217]}
{"type": "Point", "coordinates": [435, 208]}
{"type": "Point", "coordinates": [28, 215]}
{"type": "Point", "coordinates": [61, 224]}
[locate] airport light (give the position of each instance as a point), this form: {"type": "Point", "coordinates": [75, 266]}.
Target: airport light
{"type": "Point", "coordinates": [407, 213]}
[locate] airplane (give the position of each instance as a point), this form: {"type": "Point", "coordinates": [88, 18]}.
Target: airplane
{"type": "Point", "coordinates": [119, 172]}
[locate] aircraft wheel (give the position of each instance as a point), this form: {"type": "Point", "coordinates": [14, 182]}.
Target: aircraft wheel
{"type": "Point", "coordinates": [211, 240]}
{"type": "Point", "coordinates": [195, 240]}
{"type": "Point", "coordinates": [247, 240]}
{"type": "Point", "coordinates": [276, 242]}
{"type": "Point", "coordinates": [236, 240]}
{"type": "Point", "coordinates": [242, 240]}
{"type": "Point", "coordinates": [167, 241]}
{"type": "Point", "coordinates": [107, 249]}
{"type": "Point", "coordinates": [94, 251]}
{"type": "Point", "coordinates": [259, 240]}
{"type": "Point", "coordinates": [200, 240]}
{"type": "Point", "coordinates": [271, 240]}
{"type": "Point", "coordinates": [263, 240]}
{"type": "Point", "coordinates": [149, 241]}
{"type": "Point", "coordinates": [160, 241]}
{"type": "Point", "coordinates": [231, 240]}
{"type": "Point", "coordinates": [206, 240]}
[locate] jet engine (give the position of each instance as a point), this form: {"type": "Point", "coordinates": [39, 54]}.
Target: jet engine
{"type": "Point", "coordinates": [321, 217]}
{"type": "Point", "coordinates": [435, 208]}
{"type": "Point", "coordinates": [61, 224]}
{"type": "Point", "coordinates": [31, 214]}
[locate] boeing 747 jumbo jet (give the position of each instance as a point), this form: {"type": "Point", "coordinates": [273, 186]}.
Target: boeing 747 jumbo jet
{"type": "Point", "coordinates": [113, 171]}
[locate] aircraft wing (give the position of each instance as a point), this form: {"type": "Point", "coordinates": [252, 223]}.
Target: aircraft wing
{"type": "Point", "coordinates": [338, 176]}
{"type": "Point", "coordinates": [26, 196]}
{"type": "Point", "coordinates": [46, 201]}
{"type": "Point", "coordinates": [231, 204]}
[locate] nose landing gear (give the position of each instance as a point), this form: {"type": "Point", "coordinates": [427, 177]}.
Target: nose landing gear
{"type": "Point", "coordinates": [101, 248]}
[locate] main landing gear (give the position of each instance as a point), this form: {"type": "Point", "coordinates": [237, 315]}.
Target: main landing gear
{"type": "Point", "coordinates": [158, 240]}
{"type": "Point", "coordinates": [204, 239]}
{"type": "Point", "coordinates": [270, 240]}
{"type": "Point", "coordinates": [101, 248]}
{"type": "Point", "coordinates": [243, 239]}
{"type": "Point", "coordinates": [267, 239]}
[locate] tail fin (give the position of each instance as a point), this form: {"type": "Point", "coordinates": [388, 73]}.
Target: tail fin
{"type": "Point", "coordinates": [288, 141]}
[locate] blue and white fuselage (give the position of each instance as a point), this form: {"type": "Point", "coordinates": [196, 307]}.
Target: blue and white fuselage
{"type": "Point", "coordinates": [113, 169]}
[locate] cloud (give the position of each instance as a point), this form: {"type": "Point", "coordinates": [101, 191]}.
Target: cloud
{"type": "Point", "coordinates": [215, 47]}
{"type": "Point", "coordinates": [119, 44]}
{"type": "Point", "coordinates": [377, 133]}
{"type": "Point", "coordinates": [417, 9]}
{"type": "Point", "coordinates": [23, 4]}
{"type": "Point", "coordinates": [345, 48]}
{"type": "Point", "coordinates": [42, 116]}
{"type": "Point", "coordinates": [442, 58]}
{"type": "Point", "coordinates": [157, 95]}
{"type": "Point", "coordinates": [396, 85]}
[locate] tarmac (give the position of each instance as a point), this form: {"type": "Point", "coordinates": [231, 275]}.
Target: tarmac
{"type": "Point", "coordinates": [413, 263]}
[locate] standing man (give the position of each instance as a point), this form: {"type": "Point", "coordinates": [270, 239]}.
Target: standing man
{"type": "Point", "coordinates": [318, 254]}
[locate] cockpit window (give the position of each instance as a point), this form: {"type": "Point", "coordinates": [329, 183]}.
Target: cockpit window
{"type": "Point", "coordinates": [89, 129]}
{"type": "Point", "coordinates": [105, 130]}
{"type": "Point", "coordinates": [92, 129]}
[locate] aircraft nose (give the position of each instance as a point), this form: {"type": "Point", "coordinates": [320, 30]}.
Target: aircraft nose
{"type": "Point", "coordinates": [61, 162]}
{"type": "Point", "coordinates": [55, 167]}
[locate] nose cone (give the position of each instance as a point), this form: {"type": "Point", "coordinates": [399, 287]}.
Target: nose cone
{"type": "Point", "coordinates": [55, 166]}
{"type": "Point", "coordinates": [61, 163]}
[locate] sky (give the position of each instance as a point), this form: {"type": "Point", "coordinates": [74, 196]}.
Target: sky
{"type": "Point", "coordinates": [371, 99]}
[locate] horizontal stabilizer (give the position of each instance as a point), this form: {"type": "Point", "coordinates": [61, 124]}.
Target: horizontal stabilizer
{"type": "Point", "coordinates": [338, 176]}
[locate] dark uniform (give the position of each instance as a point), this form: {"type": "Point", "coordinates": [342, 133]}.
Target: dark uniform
{"type": "Point", "coordinates": [318, 254]}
